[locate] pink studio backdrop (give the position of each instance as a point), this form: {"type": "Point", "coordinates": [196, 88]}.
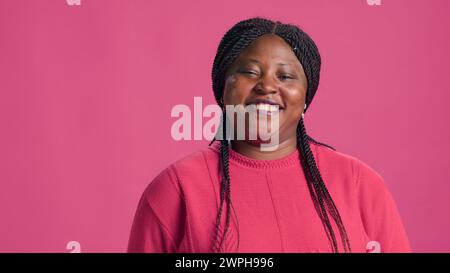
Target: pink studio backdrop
{"type": "Point", "coordinates": [87, 91]}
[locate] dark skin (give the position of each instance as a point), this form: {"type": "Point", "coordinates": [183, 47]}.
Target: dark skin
{"type": "Point", "coordinates": [268, 69]}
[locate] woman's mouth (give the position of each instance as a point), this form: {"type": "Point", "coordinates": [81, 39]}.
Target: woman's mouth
{"type": "Point", "coordinates": [266, 109]}
{"type": "Point", "coordinates": [264, 106]}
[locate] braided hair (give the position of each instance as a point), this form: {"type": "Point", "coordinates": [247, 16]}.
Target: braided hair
{"type": "Point", "coordinates": [235, 40]}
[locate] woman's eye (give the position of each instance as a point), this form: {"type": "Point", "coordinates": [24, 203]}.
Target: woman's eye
{"type": "Point", "coordinates": [286, 77]}
{"type": "Point", "coordinates": [250, 72]}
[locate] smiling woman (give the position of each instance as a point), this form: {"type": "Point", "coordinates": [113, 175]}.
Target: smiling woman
{"type": "Point", "coordinates": [232, 196]}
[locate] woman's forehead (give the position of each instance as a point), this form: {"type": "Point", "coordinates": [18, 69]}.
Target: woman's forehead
{"type": "Point", "coordinates": [269, 47]}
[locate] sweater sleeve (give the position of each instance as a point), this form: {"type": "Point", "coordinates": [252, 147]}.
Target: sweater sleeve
{"type": "Point", "coordinates": [158, 224]}
{"type": "Point", "coordinates": [379, 212]}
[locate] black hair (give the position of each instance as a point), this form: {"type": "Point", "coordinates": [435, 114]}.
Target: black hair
{"type": "Point", "coordinates": [235, 40]}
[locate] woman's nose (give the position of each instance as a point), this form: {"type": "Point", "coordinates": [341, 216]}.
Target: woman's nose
{"type": "Point", "coordinates": [266, 85]}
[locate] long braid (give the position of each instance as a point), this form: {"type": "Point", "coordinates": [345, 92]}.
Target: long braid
{"type": "Point", "coordinates": [313, 187]}
{"type": "Point", "coordinates": [320, 190]}
{"type": "Point", "coordinates": [235, 40]}
{"type": "Point", "coordinates": [311, 56]}
{"type": "Point", "coordinates": [225, 195]}
{"type": "Point", "coordinates": [318, 143]}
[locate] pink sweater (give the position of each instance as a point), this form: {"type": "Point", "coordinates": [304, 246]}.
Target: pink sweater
{"type": "Point", "coordinates": [272, 206]}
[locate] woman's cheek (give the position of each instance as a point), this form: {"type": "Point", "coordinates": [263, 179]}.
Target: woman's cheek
{"type": "Point", "coordinates": [229, 89]}
{"type": "Point", "coordinates": [295, 106]}
{"type": "Point", "coordinates": [236, 91]}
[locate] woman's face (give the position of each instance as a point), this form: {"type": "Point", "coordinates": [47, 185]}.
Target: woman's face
{"type": "Point", "coordinates": [268, 69]}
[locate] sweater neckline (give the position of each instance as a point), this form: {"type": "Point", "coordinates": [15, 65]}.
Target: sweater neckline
{"type": "Point", "coordinates": [286, 161]}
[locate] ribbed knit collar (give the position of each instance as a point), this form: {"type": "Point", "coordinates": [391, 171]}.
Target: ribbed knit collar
{"type": "Point", "coordinates": [289, 160]}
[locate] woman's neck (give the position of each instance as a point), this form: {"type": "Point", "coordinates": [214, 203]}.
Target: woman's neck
{"type": "Point", "coordinates": [254, 151]}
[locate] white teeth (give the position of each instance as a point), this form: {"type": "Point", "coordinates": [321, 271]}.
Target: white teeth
{"type": "Point", "coordinates": [266, 107]}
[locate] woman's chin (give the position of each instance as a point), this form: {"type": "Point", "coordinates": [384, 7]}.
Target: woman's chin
{"type": "Point", "coordinates": [262, 139]}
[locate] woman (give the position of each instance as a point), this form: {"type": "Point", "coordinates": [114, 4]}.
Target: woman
{"type": "Point", "coordinates": [302, 196]}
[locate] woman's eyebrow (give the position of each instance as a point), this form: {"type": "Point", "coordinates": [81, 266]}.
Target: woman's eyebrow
{"type": "Point", "coordinates": [257, 62]}
{"type": "Point", "coordinates": [251, 61]}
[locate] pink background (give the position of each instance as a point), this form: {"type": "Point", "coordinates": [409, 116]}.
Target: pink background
{"type": "Point", "coordinates": [86, 95]}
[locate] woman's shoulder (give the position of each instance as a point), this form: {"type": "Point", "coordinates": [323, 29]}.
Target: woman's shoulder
{"type": "Point", "coordinates": [341, 162]}
{"type": "Point", "coordinates": [191, 167]}
{"type": "Point", "coordinates": [197, 161]}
